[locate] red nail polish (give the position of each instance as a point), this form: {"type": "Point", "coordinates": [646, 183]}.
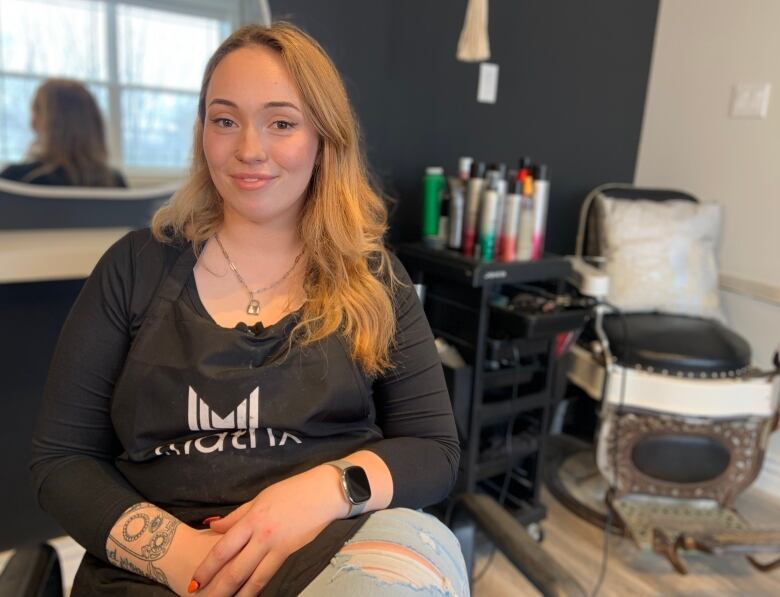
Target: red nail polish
{"type": "Point", "coordinates": [210, 519]}
{"type": "Point", "coordinates": [193, 586]}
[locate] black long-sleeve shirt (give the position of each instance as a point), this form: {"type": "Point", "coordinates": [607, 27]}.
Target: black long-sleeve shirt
{"type": "Point", "coordinates": [85, 476]}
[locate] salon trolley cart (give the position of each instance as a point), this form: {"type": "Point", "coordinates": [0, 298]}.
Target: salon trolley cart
{"type": "Point", "coordinates": [510, 374]}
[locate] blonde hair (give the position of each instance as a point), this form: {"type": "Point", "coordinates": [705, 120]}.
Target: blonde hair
{"type": "Point", "coordinates": [70, 134]}
{"type": "Point", "coordinates": [349, 281]}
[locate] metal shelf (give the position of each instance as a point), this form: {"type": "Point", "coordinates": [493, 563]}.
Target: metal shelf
{"type": "Point", "coordinates": [508, 376]}
{"type": "Point", "coordinates": [501, 410]}
{"type": "Point", "coordinates": [455, 266]}
{"type": "Point", "coordinates": [523, 445]}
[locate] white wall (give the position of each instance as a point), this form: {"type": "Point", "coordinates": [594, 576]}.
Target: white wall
{"type": "Point", "coordinates": [702, 48]}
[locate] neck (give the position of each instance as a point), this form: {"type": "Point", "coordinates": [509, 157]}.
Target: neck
{"type": "Point", "coordinates": [270, 239]}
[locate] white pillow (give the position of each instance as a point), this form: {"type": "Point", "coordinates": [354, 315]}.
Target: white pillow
{"type": "Point", "coordinates": [661, 255]}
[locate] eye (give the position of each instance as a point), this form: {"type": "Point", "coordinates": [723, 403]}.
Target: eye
{"type": "Point", "coordinates": [224, 123]}
{"type": "Point", "coordinates": [283, 125]}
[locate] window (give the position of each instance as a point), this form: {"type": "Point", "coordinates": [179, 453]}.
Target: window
{"type": "Point", "coordinates": [142, 60]}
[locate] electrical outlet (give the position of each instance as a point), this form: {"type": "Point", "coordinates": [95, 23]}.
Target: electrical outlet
{"type": "Point", "coordinates": [750, 100]}
{"type": "Point", "coordinates": [488, 83]}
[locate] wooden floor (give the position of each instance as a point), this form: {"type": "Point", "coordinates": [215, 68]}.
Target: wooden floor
{"type": "Point", "coordinates": [577, 545]}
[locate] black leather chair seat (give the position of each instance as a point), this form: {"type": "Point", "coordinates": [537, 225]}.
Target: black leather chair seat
{"type": "Point", "coordinates": [676, 344]}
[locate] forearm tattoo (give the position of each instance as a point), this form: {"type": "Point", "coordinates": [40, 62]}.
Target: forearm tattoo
{"type": "Point", "coordinates": [147, 534]}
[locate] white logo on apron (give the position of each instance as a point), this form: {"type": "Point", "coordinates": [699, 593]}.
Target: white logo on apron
{"type": "Point", "coordinates": [202, 418]}
{"type": "Point", "coordinates": [244, 420]}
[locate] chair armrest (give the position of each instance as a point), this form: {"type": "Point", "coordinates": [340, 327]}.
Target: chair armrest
{"type": "Point", "coordinates": [32, 571]}
{"type": "Point", "coordinates": [589, 280]}
{"type": "Point", "coordinates": [517, 545]}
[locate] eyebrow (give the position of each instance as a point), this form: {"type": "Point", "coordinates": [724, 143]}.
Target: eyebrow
{"type": "Point", "coordinates": [277, 104]}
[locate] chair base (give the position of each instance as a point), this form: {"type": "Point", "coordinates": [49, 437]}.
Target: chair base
{"type": "Point", "coordinates": [671, 526]}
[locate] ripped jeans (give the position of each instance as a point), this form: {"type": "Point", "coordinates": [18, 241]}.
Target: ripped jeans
{"type": "Point", "coordinates": [397, 552]}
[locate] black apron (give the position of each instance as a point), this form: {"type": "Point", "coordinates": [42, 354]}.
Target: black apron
{"type": "Point", "coordinates": [209, 416]}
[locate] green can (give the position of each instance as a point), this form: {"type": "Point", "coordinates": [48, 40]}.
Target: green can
{"type": "Point", "coordinates": [433, 186]}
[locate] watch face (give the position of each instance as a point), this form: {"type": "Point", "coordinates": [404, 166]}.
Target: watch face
{"type": "Point", "coordinates": [358, 489]}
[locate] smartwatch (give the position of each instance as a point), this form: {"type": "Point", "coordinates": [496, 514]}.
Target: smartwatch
{"type": "Point", "coordinates": [354, 483]}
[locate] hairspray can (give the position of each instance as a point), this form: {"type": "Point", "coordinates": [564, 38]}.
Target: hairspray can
{"type": "Point", "coordinates": [433, 185]}
{"type": "Point", "coordinates": [464, 169]}
{"type": "Point", "coordinates": [487, 224]}
{"type": "Point", "coordinates": [457, 213]}
{"type": "Point", "coordinates": [541, 198]}
{"type": "Point", "coordinates": [511, 222]}
{"type": "Point", "coordinates": [525, 233]}
{"type": "Point", "coordinates": [501, 188]}
{"type": "Point", "coordinates": [491, 176]}
{"type": "Point", "coordinates": [523, 168]}
{"type": "Point", "coordinates": [470, 221]}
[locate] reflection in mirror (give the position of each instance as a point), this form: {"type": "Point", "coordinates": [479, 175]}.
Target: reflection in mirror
{"type": "Point", "coordinates": [142, 65]}
{"type": "Point", "coordinates": [69, 143]}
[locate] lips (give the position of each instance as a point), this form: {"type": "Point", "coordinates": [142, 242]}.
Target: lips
{"type": "Point", "coordinates": [249, 181]}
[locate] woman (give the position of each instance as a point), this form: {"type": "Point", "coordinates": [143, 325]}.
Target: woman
{"type": "Point", "coordinates": [70, 145]}
{"type": "Point", "coordinates": [259, 356]}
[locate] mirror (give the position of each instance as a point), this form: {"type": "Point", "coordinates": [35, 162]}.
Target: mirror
{"type": "Point", "coordinates": [142, 65]}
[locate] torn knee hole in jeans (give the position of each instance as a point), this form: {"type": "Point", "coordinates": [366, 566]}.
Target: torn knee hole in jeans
{"type": "Point", "coordinates": [392, 562]}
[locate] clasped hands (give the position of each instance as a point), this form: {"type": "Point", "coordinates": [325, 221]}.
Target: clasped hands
{"type": "Point", "coordinates": [241, 552]}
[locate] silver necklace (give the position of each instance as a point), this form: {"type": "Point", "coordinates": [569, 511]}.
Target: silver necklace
{"type": "Point", "coordinates": [253, 308]}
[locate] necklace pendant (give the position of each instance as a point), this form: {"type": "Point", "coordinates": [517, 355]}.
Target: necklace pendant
{"type": "Point", "coordinates": [253, 308]}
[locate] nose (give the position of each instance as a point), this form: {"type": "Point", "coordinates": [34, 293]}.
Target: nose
{"type": "Point", "coordinates": [250, 147]}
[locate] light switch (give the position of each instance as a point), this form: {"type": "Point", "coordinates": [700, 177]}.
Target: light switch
{"type": "Point", "coordinates": [488, 83]}
{"type": "Point", "coordinates": [750, 100]}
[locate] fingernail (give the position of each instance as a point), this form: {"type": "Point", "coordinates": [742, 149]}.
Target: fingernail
{"type": "Point", "coordinates": [193, 586]}
{"type": "Point", "coordinates": [210, 519]}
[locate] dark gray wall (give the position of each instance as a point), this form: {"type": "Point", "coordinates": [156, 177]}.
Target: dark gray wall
{"type": "Point", "coordinates": [572, 84]}
{"type": "Point", "coordinates": [31, 316]}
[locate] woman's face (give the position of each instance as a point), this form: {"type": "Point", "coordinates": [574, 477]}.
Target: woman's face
{"type": "Point", "coordinates": [259, 146]}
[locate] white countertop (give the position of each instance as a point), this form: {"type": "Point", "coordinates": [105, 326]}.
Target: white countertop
{"type": "Point", "coordinates": [54, 254]}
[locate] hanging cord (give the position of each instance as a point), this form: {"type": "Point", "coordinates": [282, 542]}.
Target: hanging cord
{"type": "Point", "coordinates": [474, 44]}
{"type": "Point", "coordinates": [615, 431]}
{"type": "Point", "coordinates": [579, 243]}
{"type": "Point", "coordinates": [580, 250]}
{"type": "Point", "coordinates": [508, 449]}
{"type": "Point", "coordinates": [507, 476]}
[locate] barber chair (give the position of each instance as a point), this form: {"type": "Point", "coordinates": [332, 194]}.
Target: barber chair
{"type": "Point", "coordinates": [683, 416]}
